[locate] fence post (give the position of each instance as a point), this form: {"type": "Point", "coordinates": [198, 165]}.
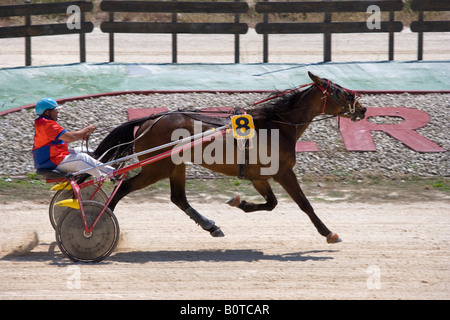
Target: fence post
{"type": "Point", "coordinates": [27, 38]}
{"type": "Point", "coordinates": [174, 39]}
{"type": "Point", "coordinates": [236, 38]}
{"type": "Point", "coordinates": [82, 40]}
{"type": "Point", "coordinates": [391, 38]}
{"type": "Point", "coordinates": [327, 38]}
{"type": "Point", "coordinates": [420, 39]}
{"type": "Point", "coordinates": [265, 39]}
{"type": "Point", "coordinates": [111, 39]}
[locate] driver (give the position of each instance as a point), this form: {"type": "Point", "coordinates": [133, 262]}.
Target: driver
{"type": "Point", "coordinates": [50, 150]}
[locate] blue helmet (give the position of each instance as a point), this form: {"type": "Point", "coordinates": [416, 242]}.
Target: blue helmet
{"type": "Point", "coordinates": [45, 104]}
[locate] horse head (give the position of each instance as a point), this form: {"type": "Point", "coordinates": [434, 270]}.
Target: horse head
{"type": "Point", "coordinates": [343, 102]}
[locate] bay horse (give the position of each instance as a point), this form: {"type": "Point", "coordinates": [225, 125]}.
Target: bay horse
{"type": "Point", "coordinates": [290, 112]}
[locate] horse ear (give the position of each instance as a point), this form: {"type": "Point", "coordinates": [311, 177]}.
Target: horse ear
{"type": "Point", "coordinates": [315, 78]}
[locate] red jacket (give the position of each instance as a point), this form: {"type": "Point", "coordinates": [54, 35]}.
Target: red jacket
{"type": "Point", "coordinates": [48, 149]}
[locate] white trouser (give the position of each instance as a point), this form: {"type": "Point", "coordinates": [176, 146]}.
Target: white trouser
{"type": "Point", "coordinates": [77, 161]}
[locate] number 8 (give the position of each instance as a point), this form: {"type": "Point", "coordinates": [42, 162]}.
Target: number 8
{"type": "Point", "coordinates": [243, 127]}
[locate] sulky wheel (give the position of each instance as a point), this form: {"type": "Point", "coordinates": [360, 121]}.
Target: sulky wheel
{"type": "Point", "coordinates": [78, 245]}
{"type": "Point", "coordinates": [86, 193]}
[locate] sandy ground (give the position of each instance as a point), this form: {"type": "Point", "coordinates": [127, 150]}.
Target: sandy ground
{"type": "Point", "coordinates": [389, 251]}
{"type": "Point", "coordinates": [157, 48]}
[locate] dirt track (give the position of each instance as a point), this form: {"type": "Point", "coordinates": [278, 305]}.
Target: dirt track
{"type": "Point", "coordinates": [389, 251]}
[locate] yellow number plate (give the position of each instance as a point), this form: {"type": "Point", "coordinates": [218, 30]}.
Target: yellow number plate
{"type": "Point", "coordinates": [243, 127]}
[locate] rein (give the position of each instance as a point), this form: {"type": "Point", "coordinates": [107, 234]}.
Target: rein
{"type": "Point", "coordinates": [285, 121]}
{"type": "Point", "coordinates": [325, 91]}
{"type": "Point", "coordinates": [281, 94]}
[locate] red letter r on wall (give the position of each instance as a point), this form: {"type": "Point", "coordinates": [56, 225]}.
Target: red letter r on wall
{"type": "Point", "coordinates": [357, 137]}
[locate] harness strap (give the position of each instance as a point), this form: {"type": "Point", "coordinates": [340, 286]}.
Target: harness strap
{"type": "Point", "coordinates": [243, 166]}
{"type": "Point", "coordinates": [325, 94]}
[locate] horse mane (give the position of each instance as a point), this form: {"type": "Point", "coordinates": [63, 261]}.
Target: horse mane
{"type": "Point", "coordinates": [279, 102]}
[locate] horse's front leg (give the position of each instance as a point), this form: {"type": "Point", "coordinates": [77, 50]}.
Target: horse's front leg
{"type": "Point", "coordinates": [178, 197]}
{"type": "Point", "coordinates": [263, 187]}
{"type": "Point", "coordinates": [288, 181]}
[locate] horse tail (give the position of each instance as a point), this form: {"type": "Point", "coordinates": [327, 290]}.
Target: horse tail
{"type": "Point", "coordinates": [118, 142]}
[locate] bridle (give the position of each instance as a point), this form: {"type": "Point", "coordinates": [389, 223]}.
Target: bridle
{"type": "Point", "coordinates": [330, 90]}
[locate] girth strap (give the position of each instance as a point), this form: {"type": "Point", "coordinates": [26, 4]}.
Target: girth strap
{"type": "Point", "coordinates": [243, 166]}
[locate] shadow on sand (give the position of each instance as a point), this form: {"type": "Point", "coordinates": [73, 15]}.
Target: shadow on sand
{"type": "Point", "coordinates": [245, 255]}
{"type": "Point", "coordinates": [54, 256]}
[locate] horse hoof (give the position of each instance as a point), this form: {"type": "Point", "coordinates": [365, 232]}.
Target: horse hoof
{"type": "Point", "coordinates": [235, 201]}
{"type": "Point", "coordinates": [333, 238]}
{"type": "Point", "coordinates": [216, 232]}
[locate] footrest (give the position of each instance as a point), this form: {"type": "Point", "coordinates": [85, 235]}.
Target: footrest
{"type": "Point", "coordinates": [51, 174]}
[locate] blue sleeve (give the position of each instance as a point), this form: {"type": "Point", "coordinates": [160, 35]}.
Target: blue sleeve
{"type": "Point", "coordinates": [60, 134]}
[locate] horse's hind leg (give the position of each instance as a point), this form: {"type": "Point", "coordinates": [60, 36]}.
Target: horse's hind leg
{"type": "Point", "coordinates": [178, 197]}
{"type": "Point", "coordinates": [289, 182]}
{"type": "Point", "coordinates": [263, 187]}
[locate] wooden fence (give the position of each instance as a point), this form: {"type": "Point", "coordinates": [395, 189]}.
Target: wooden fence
{"type": "Point", "coordinates": [327, 27]}
{"type": "Point", "coordinates": [29, 30]}
{"type": "Point", "coordinates": [235, 8]}
{"type": "Point", "coordinates": [174, 27]}
{"type": "Point", "coordinates": [422, 26]}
